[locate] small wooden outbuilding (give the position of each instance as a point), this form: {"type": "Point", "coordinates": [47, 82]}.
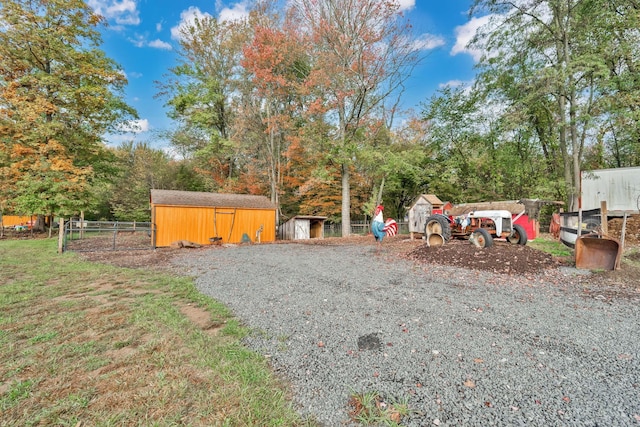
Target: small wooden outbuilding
{"type": "Point", "coordinates": [303, 227]}
{"type": "Point", "coordinates": [423, 207]}
{"type": "Point", "coordinates": [204, 218]}
{"type": "Point", "coordinates": [13, 220]}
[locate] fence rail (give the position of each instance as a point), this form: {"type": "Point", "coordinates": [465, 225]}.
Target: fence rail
{"type": "Point", "coordinates": [84, 236]}
{"type": "Point", "coordinates": [358, 227]}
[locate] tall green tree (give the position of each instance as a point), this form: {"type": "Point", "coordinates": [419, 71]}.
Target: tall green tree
{"type": "Point", "coordinates": [549, 58]}
{"type": "Point", "coordinates": [141, 168]}
{"type": "Point", "coordinates": [59, 94]}
{"type": "Point", "coordinates": [618, 139]}
{"type": "Point", "coordinates": [202, 92]}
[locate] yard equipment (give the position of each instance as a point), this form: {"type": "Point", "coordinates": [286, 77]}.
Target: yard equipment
{"type": "Point", "coordinates": [598, 251]}
{"type": "Point", "coordinates": [479, 227]}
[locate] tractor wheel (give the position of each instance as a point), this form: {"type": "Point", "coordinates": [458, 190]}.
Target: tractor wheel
{"type": "Point", "coordinates": [481, 238]}
{"type": "Point", "coordinates": [519, 236]}
{"type": "Point", "coordinates": [438, 224]}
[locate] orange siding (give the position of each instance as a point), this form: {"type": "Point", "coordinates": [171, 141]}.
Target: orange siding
{"type": "Point", "coordinates": [11, 220]}
{"type": "Point", "coordinates": [196, 224]}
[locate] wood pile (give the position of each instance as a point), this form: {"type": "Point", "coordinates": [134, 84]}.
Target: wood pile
{"type": "Point", "coordinates": [632, 233]}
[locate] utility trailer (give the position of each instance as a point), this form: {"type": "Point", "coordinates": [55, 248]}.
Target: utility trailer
{"type": "Point", "coordinates": [479, 227]}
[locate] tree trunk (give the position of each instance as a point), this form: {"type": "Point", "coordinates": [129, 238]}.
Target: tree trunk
{"type": "Point", "coordinates": [379, 198]}
{"type": "Point", "coordinates": [563, 55]}
{"type": "Point", "coordinates": [346, 202]}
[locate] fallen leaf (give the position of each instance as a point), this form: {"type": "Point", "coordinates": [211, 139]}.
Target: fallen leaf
{"type": "Point", "coordinates": [478, 360]}
{"type": "Point", "coordinates": [320, 344]}
{"type": "Point", "coordinates": [566, 399]}
{"type": "Point", "coordinates": [469, 383]}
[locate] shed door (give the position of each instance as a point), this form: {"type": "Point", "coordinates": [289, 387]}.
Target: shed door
{"type": "Point", "coordinates": [421, 212]}
{"type": "Point", "coordinates": [302, 229]}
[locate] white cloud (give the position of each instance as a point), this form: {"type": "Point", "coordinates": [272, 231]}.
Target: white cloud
{"type": "Point", "coordinates": [428, 42]}
{"type": "Point", "coordinates": [451, 83]}
{"type": "Point", "coordinates": [406, 4]}
{"type": "Point", "coordinates": [141, 41]}
{"type": "Point", "coordinates": [135, 75]}
{"type": "Point", "coordinates": [187, 18]}
{"type": "Point", "coordinates": [159, 44]}
{"type": "Point", "coordinates": [159, 26]}
{"type": "Point", "coordinates": [123, 12]}
{"type": "Point", "coordinates": [238, 12]}
{"type": "Point", "coordinates": [465, 33]}
{"type": "Point", "coordinates": [135, 126]}
{"type": "Point", "coordinates": [138, 41]}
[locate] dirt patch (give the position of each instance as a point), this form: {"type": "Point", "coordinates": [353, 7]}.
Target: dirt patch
{"type": "Point", "coordinates": [158, 259]}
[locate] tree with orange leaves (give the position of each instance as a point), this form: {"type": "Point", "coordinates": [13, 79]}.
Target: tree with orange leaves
{"type": "Point", "coordinates": [58, 95]}
{"type": "Point", "coordinates": [362, 52]}
{"type": "Point", "coordinates": [278, 65]}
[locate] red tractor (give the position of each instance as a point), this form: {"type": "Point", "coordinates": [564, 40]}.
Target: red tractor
{"type": "Point", "coordinates": [479, 227]}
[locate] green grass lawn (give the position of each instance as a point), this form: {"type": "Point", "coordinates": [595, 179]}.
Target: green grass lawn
{"type": "Point", "coordinates": [551, 246]}
{"type": "Point", "coordinates": [90, 344]}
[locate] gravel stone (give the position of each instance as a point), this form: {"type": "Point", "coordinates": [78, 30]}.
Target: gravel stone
{"type": "Point", "coordinates": [460, 346]}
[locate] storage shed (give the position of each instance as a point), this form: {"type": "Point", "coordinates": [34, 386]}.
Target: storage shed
{"type": "Point", "coordinates": [13, 220]}
{"type": "Point", "coordinates": [424, 206]}
{"type": "Point", "coordinates": [303, 227]}
{"type": "Point", "coordinates": [201, 217]}
{"type": "Point", "coordinates": [517, 209]}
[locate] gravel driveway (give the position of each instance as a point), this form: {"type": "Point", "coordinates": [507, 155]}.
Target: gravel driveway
{"type": "Point", "coordinates": [460, 347]}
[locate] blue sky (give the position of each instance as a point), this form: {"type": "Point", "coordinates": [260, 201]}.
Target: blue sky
{"type": "Point", "coordinates": [141, 37]}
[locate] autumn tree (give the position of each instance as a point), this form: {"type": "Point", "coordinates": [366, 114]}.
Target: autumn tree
{"type": "Point", "coordinates": [362, 52]}
{"type": "Point", "coordinates": [58, 95]}
{"type": "Point", "coordinates": [278, 64]}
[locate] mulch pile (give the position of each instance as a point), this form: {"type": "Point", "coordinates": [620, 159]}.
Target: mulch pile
{"type": "Point", "coordinates": [502, 257]}
{"type": "Point", "coordinates": [632, 233]}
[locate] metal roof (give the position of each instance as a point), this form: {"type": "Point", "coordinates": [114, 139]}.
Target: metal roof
{"type": "Point", "coordinates": [219, 200]}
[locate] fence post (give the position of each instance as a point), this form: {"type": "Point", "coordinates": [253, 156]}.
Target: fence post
{"type": "Point", "coordinates": [60, 234]}
{"type": "Point", "coordinates": [81, 224]}
{"type": "Point", "coordinates": [115, 234]}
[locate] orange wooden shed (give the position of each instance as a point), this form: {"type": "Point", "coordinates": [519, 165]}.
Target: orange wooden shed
{"type": "Point", "coordinates": [202, 218]}
{"type": "Point", "coordinates": [13, 220]}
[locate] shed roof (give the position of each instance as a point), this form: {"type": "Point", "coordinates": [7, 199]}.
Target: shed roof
{"type": "Point", "coordinates": [321, 218]}
{"type": "Point", "coordinates": [431, 198]}
{"type": "Point", "coordinates": [513, 206]}
{"type": "Point", "coordinates": [220, 200]}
